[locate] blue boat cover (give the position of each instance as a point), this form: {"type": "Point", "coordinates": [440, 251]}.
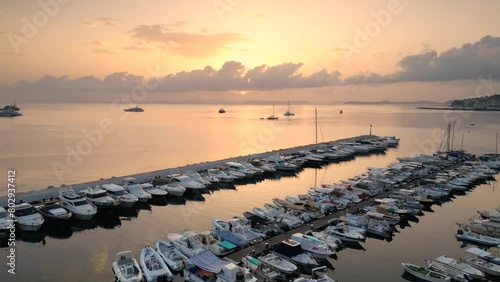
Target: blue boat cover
{"type": "Point", "coordinates": [227, 245]}
{"type": "Point", "coordinates": [209, 262]}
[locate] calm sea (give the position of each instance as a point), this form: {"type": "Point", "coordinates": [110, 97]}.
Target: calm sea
{"type": "Point", "coordinates": [73, 143]}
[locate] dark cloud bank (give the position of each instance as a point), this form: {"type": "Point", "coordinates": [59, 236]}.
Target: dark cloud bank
{"type": "Point", "coordinates": [470, 61]}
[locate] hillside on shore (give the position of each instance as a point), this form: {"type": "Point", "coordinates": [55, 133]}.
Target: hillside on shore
{"type": "Point", "coordinates": [484, 103]}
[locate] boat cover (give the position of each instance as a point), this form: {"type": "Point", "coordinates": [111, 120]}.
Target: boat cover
{"type": "Point", "coordinates": [289, 250]}
{"type": "Point", "coordinates": [478, 252]}
{"type": "Point", "coordinates": [226, 245]}
{"type": "Point", "coordinates": [208, 262]}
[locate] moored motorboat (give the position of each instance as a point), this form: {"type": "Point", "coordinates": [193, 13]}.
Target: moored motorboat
{"type": "Point", "coordinates": [278, 263]}
{"type": "Point", "coordinates": [289, 220]}
{"type": "Point", "coordinates": [215, 244]}
{"type": "Point", "coordinates": [424, 273]}
{"type": "Point", "coordinates": [233, 273]}
{"type": "Point", "coordinates": [27, 218]}
{"type": "Point", "coordinates": [471, 272]}
{"type": "Point", "coordinates": [198, 178]}
{"type": "Point", "coordinates": [119, 194]}
{"type": "Point", "coordinates": [393, 219]}
{"type": "Point", "coordinates": [136, 189]}
{"type": "Point", "coordinates": [465, 233]}
{"type": "Point", "coordinates": [447, 270]}
{"type": "Point", "coordinates": [332, 242]}
{"type": "Point", "coordinates": [261, 270]}
{"type": "Point", "coordinates": [234, 166]}
{"type": "Point", "coordinates": [313, 245]}
{"type": "Point", "coordinates": [480, 263]}
{"type": "Point", "coordinates": [173, 188]}
{"type": "Point", "coordinates": [80, 207]}
{"type": "Point", "coordinates": [54, 212]}
{"type": "Point", "coordinates": [125, 268]}
{"type": "Point", "coordinates": [345, 233]}
{"type": "Point", "coordinates": [156, 193]}
{"type": "Point", "coordinates": [222, 176]}
{"type": "Point", "coordinates": [174, 258]}
{"type": "Point", "coordinates": [292, 251]}
{"type": "Point", "coordinates": [187, 182]}
{"type": "Point", "coordinates": [492, 215]}
{"type": "Point", "coordinates": [238, 229]}
{"type": "Point", "coordinates": [318, 275]}
{"type": "Point", "coordinates": [208, 267]}
{"type": "Point", "coordinates": [188, 244]}
{"type": "Point", "coordinates": [5, 220]}
{"type": "Point", "coordinates": [153, 267]}
{"type": "Point", "coordinates": [100, 198]}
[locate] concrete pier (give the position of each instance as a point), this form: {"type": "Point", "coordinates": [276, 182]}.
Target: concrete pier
{"type": "Point", "coordinates": [47, 193]}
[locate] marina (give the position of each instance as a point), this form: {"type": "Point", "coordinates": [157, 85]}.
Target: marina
{"type": "Point", "coordinates": [250, 141]}
{"type": "Point", "coordinates": [307, 160]}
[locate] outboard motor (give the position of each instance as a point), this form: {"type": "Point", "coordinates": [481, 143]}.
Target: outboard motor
{"type": "Point", "coordinates": [240, 277]}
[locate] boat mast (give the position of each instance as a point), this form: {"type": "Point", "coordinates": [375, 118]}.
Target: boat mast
{"type": "Point", "coordinates": [496, 144]}
{"type": "Point", "coordinates": [448, 137]}
{"type": "Point", "coordinates": [316, 122]}
{"type": "Point", "coordinates": [462, 148]}
{"type": "Point", "coordinates": [453, 136]}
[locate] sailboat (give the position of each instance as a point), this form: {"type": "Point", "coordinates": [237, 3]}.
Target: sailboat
{"type": "Point", "coordinates": [289, 112]}
{"type": "Point", "coordinates": [272, 117]}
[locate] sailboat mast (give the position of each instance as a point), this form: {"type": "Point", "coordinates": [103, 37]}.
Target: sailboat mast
{"type": "Point", "coordinates": [448, 137]}
{"type": "Point", "coordinates": [496, 144]}
{"type": "Point", "coordinates": [316, 123]}
{"type": "Point", "coordinates": [453, 136]}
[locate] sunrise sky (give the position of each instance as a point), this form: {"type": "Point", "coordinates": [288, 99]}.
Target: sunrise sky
{"type": "Point", "coordinates": [323, 51]}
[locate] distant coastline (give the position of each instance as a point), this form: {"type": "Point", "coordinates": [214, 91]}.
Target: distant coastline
{"type": "Point", "coordinates": [385, 102]}
{"type": "Point", "coordinates": [482, 104]}
{"type": "Point", "coordinates": [459, 109]}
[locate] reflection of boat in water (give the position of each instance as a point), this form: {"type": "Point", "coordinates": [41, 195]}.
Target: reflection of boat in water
{"type": "Point", "coordinates": [195, 197]}
{"type": "Point", "coordinates": [57, 230]}
{"type": "Point", "coordinates": [143, 206]}
{"type": "Point", "coordinates": [108, 220]}
{"type": "Point", "coordinates": [222, 185]}
{"type": "Point", "coordinates": [175, 201]}
{"type": "Point", "coordinates": [136, 109]}
{"type": "Point", "coordinates": [128, 212]}
{"type": "Point", "coordinates": [79, 225]}
{"type": "Point", "coordinates": [31, 236]}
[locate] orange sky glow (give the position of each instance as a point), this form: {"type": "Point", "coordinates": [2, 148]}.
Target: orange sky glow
{"type": "Point", "coordinates": [88, 40]}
